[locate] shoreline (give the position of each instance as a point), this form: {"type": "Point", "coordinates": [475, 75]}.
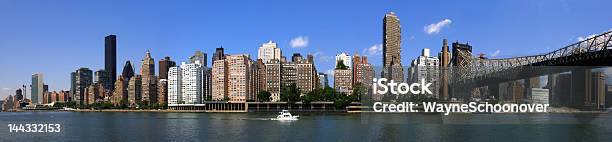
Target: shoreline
{"type": "Point", "coordinates": [330, 112]}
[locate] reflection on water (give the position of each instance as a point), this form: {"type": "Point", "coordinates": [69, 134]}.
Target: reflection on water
{"type": "Point", "coordinates": [102, 126]}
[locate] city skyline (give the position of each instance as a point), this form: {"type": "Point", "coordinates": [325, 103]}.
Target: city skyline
{"type": "Point", "coordinates": [418, 32]}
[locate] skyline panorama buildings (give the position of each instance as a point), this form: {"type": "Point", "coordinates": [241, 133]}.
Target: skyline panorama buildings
{"type": "Point", "coordinates": [280, 71]}
{"type": "Point", "coordinates": [144, 87]}
{"type": "Point", "coordinates": [229, 76]}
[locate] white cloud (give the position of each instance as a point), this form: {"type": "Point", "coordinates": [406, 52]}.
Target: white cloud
{"type": "Point", "coordinates": [6, 89]}
{"type": "Point", "coordinates": [299, 42]}
{"type": "Point", "coordinates": [373, 50]}
{"type": "Point", "coordinates": [330, 73]}
{"type": "Point", "coordinates": [494, 54]}
{"type": "Point", "coordinates": [436, 27]}
{"type": "Point", "coordinates": [321, 57]}
{"type": "Point", "coordinates": [581, 38]}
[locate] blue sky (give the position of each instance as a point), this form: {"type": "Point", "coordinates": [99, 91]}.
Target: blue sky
{"type": "Point", "coordinates": [57, 37]}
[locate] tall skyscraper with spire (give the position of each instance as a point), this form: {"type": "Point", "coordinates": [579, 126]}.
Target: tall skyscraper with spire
{"type": "Point", "coordinates": [149, 80]}
{"type": "Point", "coordinates": [110, 58]}
{"type": "Point", "coordinates": [392, 61]}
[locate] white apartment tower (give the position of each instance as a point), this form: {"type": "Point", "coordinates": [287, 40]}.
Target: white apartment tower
{"type": "Point", "coordinates": [269, 51]}
{"type": "Point", "coordinates": [185, 84]}
{"type": "Point", "coordinates": [426, 67]}
{"type": "Point", "coordinates": [191, 85]}
{"type": "Point", "coordinates": [174, 86]}
{"type": "Point", "coordinates": [346, 59]}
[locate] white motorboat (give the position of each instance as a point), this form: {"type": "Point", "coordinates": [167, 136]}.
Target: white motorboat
{"type": "Point", "coordinates": [286, 116]}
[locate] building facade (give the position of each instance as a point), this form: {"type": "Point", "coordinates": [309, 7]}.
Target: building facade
{"type": "Point", "coordinates": [343, 81]}
{"type": "Point", "coordinates": [346, 60]}
{"type": "Point", "coordinates": [363, 72]}
{"type": "Point", "coordinates": [426, 67]}
{"type": "Point", "coordinates": [174, 85]}
{"type": "Point", "coordinates": [128, 71]}
{"type": "Point", "coordinates": [134, 91]}
{"type": "Point", "coordinates": [323, 82]}
{"type": "Point", "coordinates": [149, 80]}
{"type": "Point", "coordinates": [219, 80]}
{"type": "Point", "coordinates": [120, 94]}
{"type": "Point", "coordinates": [273, 79]}
{"type": "Point", "coordinates": [269, 51]}
{"type": "Point", "coordinates": [392, 63]}
{"type": "Point", "coordinates": [104, 78]}
{"type": "Point", "coordinates": [83, 78]}
{"type": "Point", "coordinates": [199, 56]}
{"type": "Point", "coordinates": [37, 88]}
{"type": "Point", "coordinates": [110, 59]}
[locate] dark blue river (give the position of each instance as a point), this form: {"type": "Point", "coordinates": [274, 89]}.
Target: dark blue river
{"type": "Point", "coordinates": [140, 126]}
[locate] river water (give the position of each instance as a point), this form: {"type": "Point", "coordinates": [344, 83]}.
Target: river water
{"type": "Point", "coordinates": [141, 126]}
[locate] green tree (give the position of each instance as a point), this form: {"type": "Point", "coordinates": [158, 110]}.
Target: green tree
{"type": "Point", "coordinates": [329, 94]}
{"type": "Point", "coordinates": [342, 100]}
{"type": "Point", "coordinates": [340, 65]}
{"type": "Point", "coordinates": [359, 90]}
{"type": "Point", "coordinates": [263, 96]}
{"type": "Point", "coordinates": [314, 95]}
{"type": "Point", "coordinates": [291, 93]}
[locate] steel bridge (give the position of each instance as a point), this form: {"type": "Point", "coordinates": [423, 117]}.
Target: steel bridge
{"type": "Point", "coordinates": [595, 51]}
{"type": "Point", "coordinates": [578, 58]}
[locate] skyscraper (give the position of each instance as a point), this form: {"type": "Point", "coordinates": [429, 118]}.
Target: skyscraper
{"type": "Point", "coordinates": [149, 80]}
{"type": "Point", "coordinates": [301, 72]}
{"type": "Point", "coordinates": [128, 71]}
{"type": "Point", "coordinates": [162, 85]}
{"type": "Point", "coordinates": [444, 74]}
{"type": "Point", "coordinates": [174, 85]}
{"type": "Point", "coordinates": [37, 88]}
{"type": "Point", "coordinates": [426, 67]}
{"type": "Point", "coordinates": [103, 77]}
{"type": "Point", "coordinates": [134, 90]}
{"type": "Point", "coordinates": [219, 79]}
{"type": "Point", "coordinates": [120, 95]}
{"type": "Point", "coordinates": [191, 83]}
{"type": "Point", "coordinates": [363, 72]}
{"type": "Point", "coordinates": [392, 61]}
{"type": "Point", "coordinates": [219, 55]}
{"type": "Point", "coordinates": [72, 86]}
{"type": "Point", "coordinates": [162, 91]}
{"type": "Point", "coordinates": [110, 58]}
{"type": "Point", "coordinates": [83, 78]}
{"type": "Point", "coordinates": [164, 65]}
{"type": "Point", "coordinates": [323, 82]}
{"type": "Point", "coordinates": [185, 84]}
{"type": "Point", "coordinates": [261, 75]}
{"type": "Point", "coordinates": [269, 51]}
{"type": "Point", "coordinates": [198, 56]}
{"type": "Point", "coordinates": [273, 79]}
{"type": "Point", "coordinates": [206, 84]}
{"type": "Point", "coordinates": [233, 78]}
{"type": "Point", "coordinates": [239, 77]}
{"type": "Point", "coordinates": [392, 33]}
